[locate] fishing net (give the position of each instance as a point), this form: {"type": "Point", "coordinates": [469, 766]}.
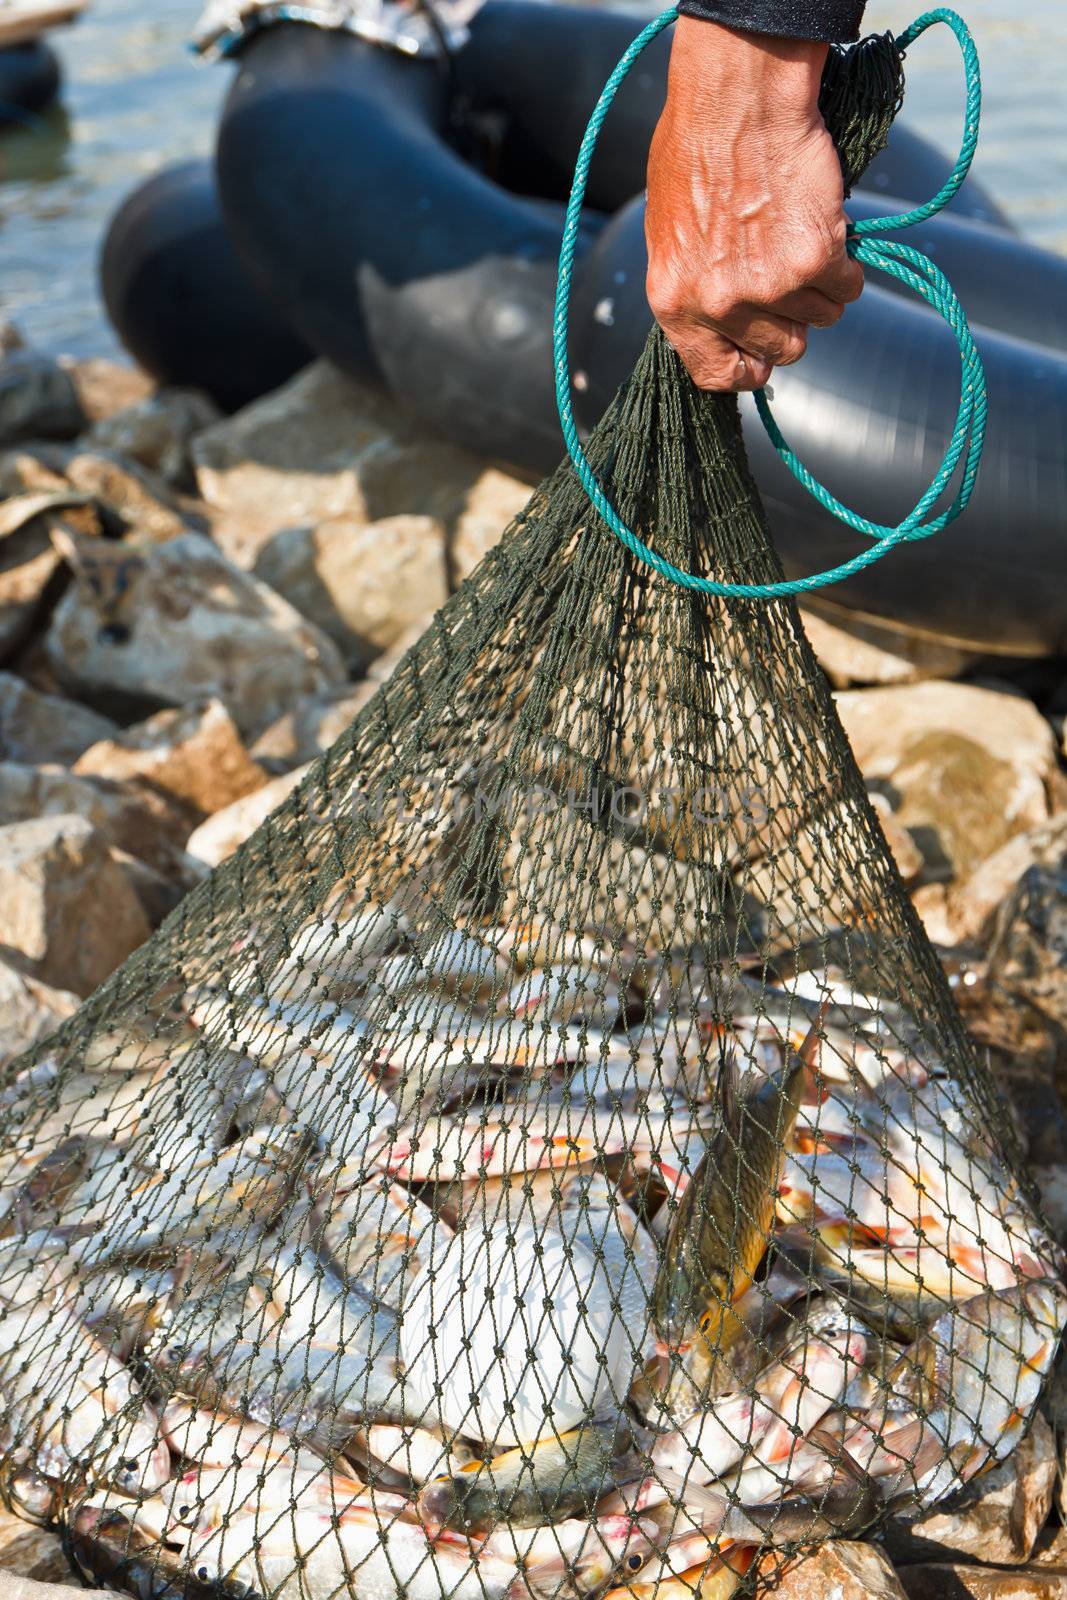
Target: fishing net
{"type": "Point", "coordinates": [546, 1159]}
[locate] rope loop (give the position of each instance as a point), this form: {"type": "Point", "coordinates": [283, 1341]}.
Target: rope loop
{"type": "Point", "coordinates": [867, 245]}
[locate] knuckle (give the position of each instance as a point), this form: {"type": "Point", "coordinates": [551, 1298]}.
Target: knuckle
{"type": "Point", "coordinates": [815, 257]}
{"type": "Point", "coordinates": [718, 303]}
{"type": "Point", "coordinates": [667, 294]}
{"type": "Point", "coordinates": [754, 376]}
{"type": "Point", "coordinates": [712, 373]}
{"type": "Point", "coordinates": [852, 287]}
{"type": "Point", "coordinates": [792, 349]}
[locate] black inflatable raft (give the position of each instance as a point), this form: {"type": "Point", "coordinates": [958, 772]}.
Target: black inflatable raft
{"type": "Point", "coordinates": [186, 308]}
{"type": "Point", "coordinates": [405, 222]}
{"type": "Point", "coordinates": [29, 82]}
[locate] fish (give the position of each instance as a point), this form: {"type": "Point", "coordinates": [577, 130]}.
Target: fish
{"type": "Point", "coordinates": [406, 1454]}
{"type": "Point", "coordinates": [61, 1389]}
{"type": "Point", "coordinates": [578, 1557]}
{"type": "Point", "coordinates": [319, 1058]}
{"type": "Point", "coordinates": [244, 1188]}
{"type": "Point", "coordinates": [216, 1439]}
{"type": "Point", "coordinates": [334, 949]}
{"type": "Point", "coordinates": [317, 1393]}
{"type": "Point", "coordinates": [110, 1548]}
{"type": "Point", "coordinates": [721, 1228]}
{"type": "Point", "coordinates": [549, 1481]}
{"type": "Point", "coordinates": [124, 1308]}
{"type": "Point", "coordinates": [318, 1306]}
{"type": "Point", "coordinates": [757, 1426]}
{"type": "Point", "coordinates": [971, 1381]}
{"type": "Point", "coordinates": [476, 1149]}
{"type": "Point", "coordinates": [377, 1234]}
{"type": "Point", "coordinates": [207, 1497]}
{"type": "Point", "coordinates": [716, 1577]}
{"type": "Point", "coordinates": [754, 1432]}
{"type": "Point", "coordinates": [307, 1553]}
{"type": "Point", "coordinates": [514, 1332]}
{"type": "Point", "coordinates": [24, 1491]}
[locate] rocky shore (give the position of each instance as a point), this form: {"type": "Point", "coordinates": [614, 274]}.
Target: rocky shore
{"type": "Point", "coordinates": [193, 608]}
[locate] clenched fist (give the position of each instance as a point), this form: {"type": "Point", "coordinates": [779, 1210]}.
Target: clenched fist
{"type": "Point", "coordinates": [745, 219]}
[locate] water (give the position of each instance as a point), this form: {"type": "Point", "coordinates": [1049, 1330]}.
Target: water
{"type": "Point", "coordinates": [135, 101]}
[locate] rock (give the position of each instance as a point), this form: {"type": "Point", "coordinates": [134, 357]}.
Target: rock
{"type": "Point", "coordinates": [240, 537]}
{"type": "Point", "coordinates": [996, 1519]}
{"type": "Point", "coordinates": [138, 820]}
{"type": "Point", "coordinates": [320, 447]}
{"type": "Point", "coordinates": [10, 338]}
{"type": "Point", "coordinates": [905, 851]}
{"type": "Point", "coordinates": [363, 585]}
{"type": "Point", "coordinates": [1028, 944]}
{"type": "Point", "coordinates": [494, 500]}
{"type": "Point", "coordinates": [931, 903]}
{"type": "Point", "coordinates": [184, 625]}
{"type": "Point", "coordinates": [227, 830]}
{"type": "Point", "coordinates": [135, 499]}
{"type": "Point", "coordinates": [972, 907]}
{"type": "Point", "coordinates": [66, 908]}
{"type": "Point", "coordinates": [290, 458]}
{"type": "Point", "coordinates": [156, 432]}
{"type": "Point", "coordinates": [158, 895]}
{"type": "Point", "coordinates": [38, 728]}
{"type": "Point", "coordinates": [28, 560]}
{"type": "Point", "coordinates": [106, 387]}
{"type": "Point", "coordinates": [193, 754]}
{"type": "Point", "coordinates": [51, 1571]}
{"type": "Point", "coordinates": [839, 1570]}
{"type": "Point", "coordinates": [965, 768]}
{"type": "Point", "coordinates": [858, 650]}
{"type": "Point", "coordinates": [945, 1581]}
{"type": "Point", "coordinates": [311, 727]}
{"type": "Point", "coordinates": [33, 1563]}
{"type": "Point", "coordinates": [24, 472]}
{"type": "Point", "coordinates": [29, 1011]}
{"type": "Point", "coordinates": [1051, 1183]}
{"type": "Point", "coordinates": [382, 670]}
{"type": "Point", "coordinates": [1051, 1548]}
{"type": "Point", "coordinates": [37, 399]}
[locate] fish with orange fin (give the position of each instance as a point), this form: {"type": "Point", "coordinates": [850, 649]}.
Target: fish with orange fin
{"type": "Point", "coordinates": [721, 1228]}
{"type": "Point", "coordinates": [716, 1574]}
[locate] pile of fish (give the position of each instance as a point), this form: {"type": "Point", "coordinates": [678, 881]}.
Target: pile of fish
{"type": "Point", "coordinates": [500, 1261]}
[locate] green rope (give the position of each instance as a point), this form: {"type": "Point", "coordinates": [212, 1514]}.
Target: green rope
{"type": "Point", "coordinates": [865, 245]}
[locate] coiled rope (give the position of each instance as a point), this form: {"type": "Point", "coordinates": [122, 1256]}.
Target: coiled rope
{"type": "Point", "coordinates": [865, 244]}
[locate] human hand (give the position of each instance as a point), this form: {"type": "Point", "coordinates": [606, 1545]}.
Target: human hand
{"type": "Point", "coordinates": [745, 218]}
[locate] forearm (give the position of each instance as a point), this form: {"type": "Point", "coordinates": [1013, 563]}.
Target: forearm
{"type": "Point", "coordinates": [833, 21]}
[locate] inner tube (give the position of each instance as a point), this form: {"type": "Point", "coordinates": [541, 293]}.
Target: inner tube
{"type": "Point", "coordinates": [444, 289]}
{"type": "Point", "coordinates": [1002, 284]}
{"type": "Point", "coordinates": [869, 411]}
{"type": "Point", "coordinates": [182, 303]}
{"type": "Point", "coordinates": [413, 262]}
{"type": "Point", "coordinates": [404, 264]}
{"type": "Point", "coordinates": [540, 68]}
{"type": "Point", "coordinates": [29, 82]}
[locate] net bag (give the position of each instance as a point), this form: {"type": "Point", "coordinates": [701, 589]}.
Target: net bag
{"type": "Point", "coordinates": [546, 1160]}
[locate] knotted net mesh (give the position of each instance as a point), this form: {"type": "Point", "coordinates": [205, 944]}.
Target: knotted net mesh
{"type": "Point", "coordinates": [547, 1159]}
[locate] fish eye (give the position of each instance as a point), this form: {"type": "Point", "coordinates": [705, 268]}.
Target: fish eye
{"type": "Point", "coordinates": [184, 1511]}
{"type": "Point", "coordinates": [129, 1466]}
{"type": "Point", "coordinates": [633, 1562]}
{"type": "Point", "coordinates": [202, 1574]}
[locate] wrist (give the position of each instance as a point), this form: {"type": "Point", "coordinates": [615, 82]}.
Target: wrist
{"type": "Point", "coordinates": [716, 70]}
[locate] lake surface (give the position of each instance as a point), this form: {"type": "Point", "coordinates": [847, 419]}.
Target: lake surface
{"type": "Point", "coordinates": [135, 100]}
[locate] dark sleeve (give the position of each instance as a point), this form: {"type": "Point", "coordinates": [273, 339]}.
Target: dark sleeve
{"type": "Point", "coordinates": [836, 21]}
